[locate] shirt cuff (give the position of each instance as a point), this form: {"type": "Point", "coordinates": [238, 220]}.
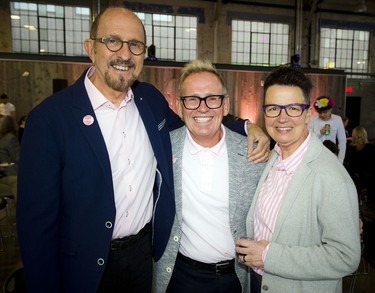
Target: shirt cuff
{"type": "Point", "coordinates": [264, 253]}
{"type": "Point", "coordinates": [247, 121]}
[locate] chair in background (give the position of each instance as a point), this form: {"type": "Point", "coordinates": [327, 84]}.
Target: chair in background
{"type": "Point", "coordinates": [7, 220]}
{"type": "Point", "coordinates": [368, 216]}
{"type": "Point", "coordinates": [15, 282]}
{"type": "Point", "coordinates": [366, 270]}
{"type": "Point", "coordinates": [367, 211]}
{"type": "Point", "coordinates": [10, 206]}
{"type": "Point", "coordinates": [8, 191]}
{"type": "Point", "coordinates": [3, 215]}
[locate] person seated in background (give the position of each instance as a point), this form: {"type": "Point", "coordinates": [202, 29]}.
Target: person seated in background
{"type": "Point", "coordinates": [358, 160]}
{"type": "Point", "coordinates": [345, 121]}
{"type": "Point", "coordinates": [21, 127]}
{"type": "Point", "coordinates": [8, 186]}
{"type": "Point", "coordinates": [6, 107]}
{"type": "Point", "coordinates": [359, 154]}
{"type": "Point", "coordinates": [9, 146]}
{"type": "Point", "coordinates": [9, 156]}
{"type": "Point", "coordinates": [9, 150]}
{"type": "Point", "coordinates": [328, 125]}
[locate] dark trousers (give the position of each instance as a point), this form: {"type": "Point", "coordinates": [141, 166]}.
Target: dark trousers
{"type": "Point", "coordinates": [129, 265]}
{"type": "Point", "coordinates": [255, 282]}
{"type": "Point", "coordinates": [190, 279]}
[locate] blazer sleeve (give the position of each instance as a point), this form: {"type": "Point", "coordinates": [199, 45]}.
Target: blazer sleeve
{"type": "Point", "coordinates": [38, 202]}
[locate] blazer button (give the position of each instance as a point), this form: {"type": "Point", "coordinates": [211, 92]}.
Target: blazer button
{"type": "Point", "coordinates": [100, 261]}
{"type": "Point", "coordinates": [169, 270]}
{"type": "Point", "coordinates": [108, 224]}
{"type": "Point", "coordinates": [175, 238]}
{"type": "Point", "coordinates": [265, 287]}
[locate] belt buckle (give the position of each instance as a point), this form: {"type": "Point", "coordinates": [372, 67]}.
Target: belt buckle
{"type": "Point", "coordinates": [219, 267]}
{"type": "Point", "coordinates": [113, 246]}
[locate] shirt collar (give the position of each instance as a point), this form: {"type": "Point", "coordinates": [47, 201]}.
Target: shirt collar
{"type": "Point", "coordinates": [195, 148]}
{"type": "Point", "coordinates": [290, 164]}
{"type": "Point", "coordinates": [97, 99]}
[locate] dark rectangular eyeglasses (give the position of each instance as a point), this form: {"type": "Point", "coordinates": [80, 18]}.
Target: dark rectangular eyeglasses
{"type": "Point", "coordinates": [193, 102]}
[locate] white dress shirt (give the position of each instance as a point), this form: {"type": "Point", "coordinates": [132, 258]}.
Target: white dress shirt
{"type": "Point", "coordinates": [132, 159]}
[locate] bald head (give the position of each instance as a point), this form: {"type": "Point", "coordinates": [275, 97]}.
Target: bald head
{"type": "Point", "coordinates": [114, 12]}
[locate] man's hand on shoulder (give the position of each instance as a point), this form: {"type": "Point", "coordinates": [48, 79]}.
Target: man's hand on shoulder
{"type": "Point", "coordinates": [262, 151]}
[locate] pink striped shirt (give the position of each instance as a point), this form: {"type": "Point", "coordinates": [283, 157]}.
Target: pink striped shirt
{"type": "Point", "coordinates": [272, 194]}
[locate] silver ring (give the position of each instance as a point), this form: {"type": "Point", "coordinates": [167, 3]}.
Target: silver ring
{"type": "Point", "coordinates": [243, 257]}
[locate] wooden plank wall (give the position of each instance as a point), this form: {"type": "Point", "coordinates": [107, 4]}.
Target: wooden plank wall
{"type": "Point", "coordinates": [26, 91]}
{"type": "Point", "coordinates": [244, 87]}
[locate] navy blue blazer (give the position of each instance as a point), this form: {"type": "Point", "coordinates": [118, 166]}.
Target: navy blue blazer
{"type": "Point", "coordinates": [65, 205]}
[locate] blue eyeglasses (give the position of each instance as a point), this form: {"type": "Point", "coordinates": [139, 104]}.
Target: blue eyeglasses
{"type": "Point", "coordinates": [292, 110]}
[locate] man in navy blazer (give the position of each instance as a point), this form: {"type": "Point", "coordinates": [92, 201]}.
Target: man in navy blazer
{"type": "Point", "coordinates": [95, 185]}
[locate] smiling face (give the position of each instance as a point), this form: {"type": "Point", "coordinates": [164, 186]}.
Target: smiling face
{"type": "Point", "coordinates": [116, 71]}
{"type": "Point", "coordinates": [203, 123]}
{"type": "Point", "coordinates": [288, 132]}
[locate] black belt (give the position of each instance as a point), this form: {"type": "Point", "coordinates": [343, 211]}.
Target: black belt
{"type": "Point", "coordinates": [220, 268]}
{"type": "Point", "coordinates": [127, 241]}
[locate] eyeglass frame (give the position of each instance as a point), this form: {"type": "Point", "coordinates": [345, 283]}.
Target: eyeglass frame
{"type": "Point", "coordinates": [203, 99]}
{"type": "Point", "coordinates": [281, 107]}
{"type": "Point", "coordinates": [104, 40]}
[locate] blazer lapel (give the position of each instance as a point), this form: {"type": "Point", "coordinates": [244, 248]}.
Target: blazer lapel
{"type": "Point", "coordinates": [91, 131]}
{"type": "Point", "coordinates": [151, 125]}
{"type": "Point", "coordinates": [296, 184]}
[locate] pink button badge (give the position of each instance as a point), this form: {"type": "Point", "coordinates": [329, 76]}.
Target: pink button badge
{"type": "Point", "coordinates": [88, 120]}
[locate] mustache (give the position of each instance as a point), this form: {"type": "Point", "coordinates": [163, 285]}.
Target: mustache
{"type": "Point", "coordinates": [121, 62]}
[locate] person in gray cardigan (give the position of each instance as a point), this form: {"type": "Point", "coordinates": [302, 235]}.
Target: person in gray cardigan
{"type": "Point", "coordinates": [214, 186]}
{"type": "Point", "coordinates": [304, 217]}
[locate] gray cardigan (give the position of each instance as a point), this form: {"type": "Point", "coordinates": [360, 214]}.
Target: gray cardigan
{"type": "Point", "coordinates": [316, 239]}
{"type": "Point", "coordinates": [243, 179]}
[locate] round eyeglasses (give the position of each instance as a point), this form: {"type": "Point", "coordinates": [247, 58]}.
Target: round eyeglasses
{"type": "Point", "coordinates": [115, 44]}
{"type": "Point", "coordinates": [292, 110]}
{"type": "Point", "coordinates": [194, 102]}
